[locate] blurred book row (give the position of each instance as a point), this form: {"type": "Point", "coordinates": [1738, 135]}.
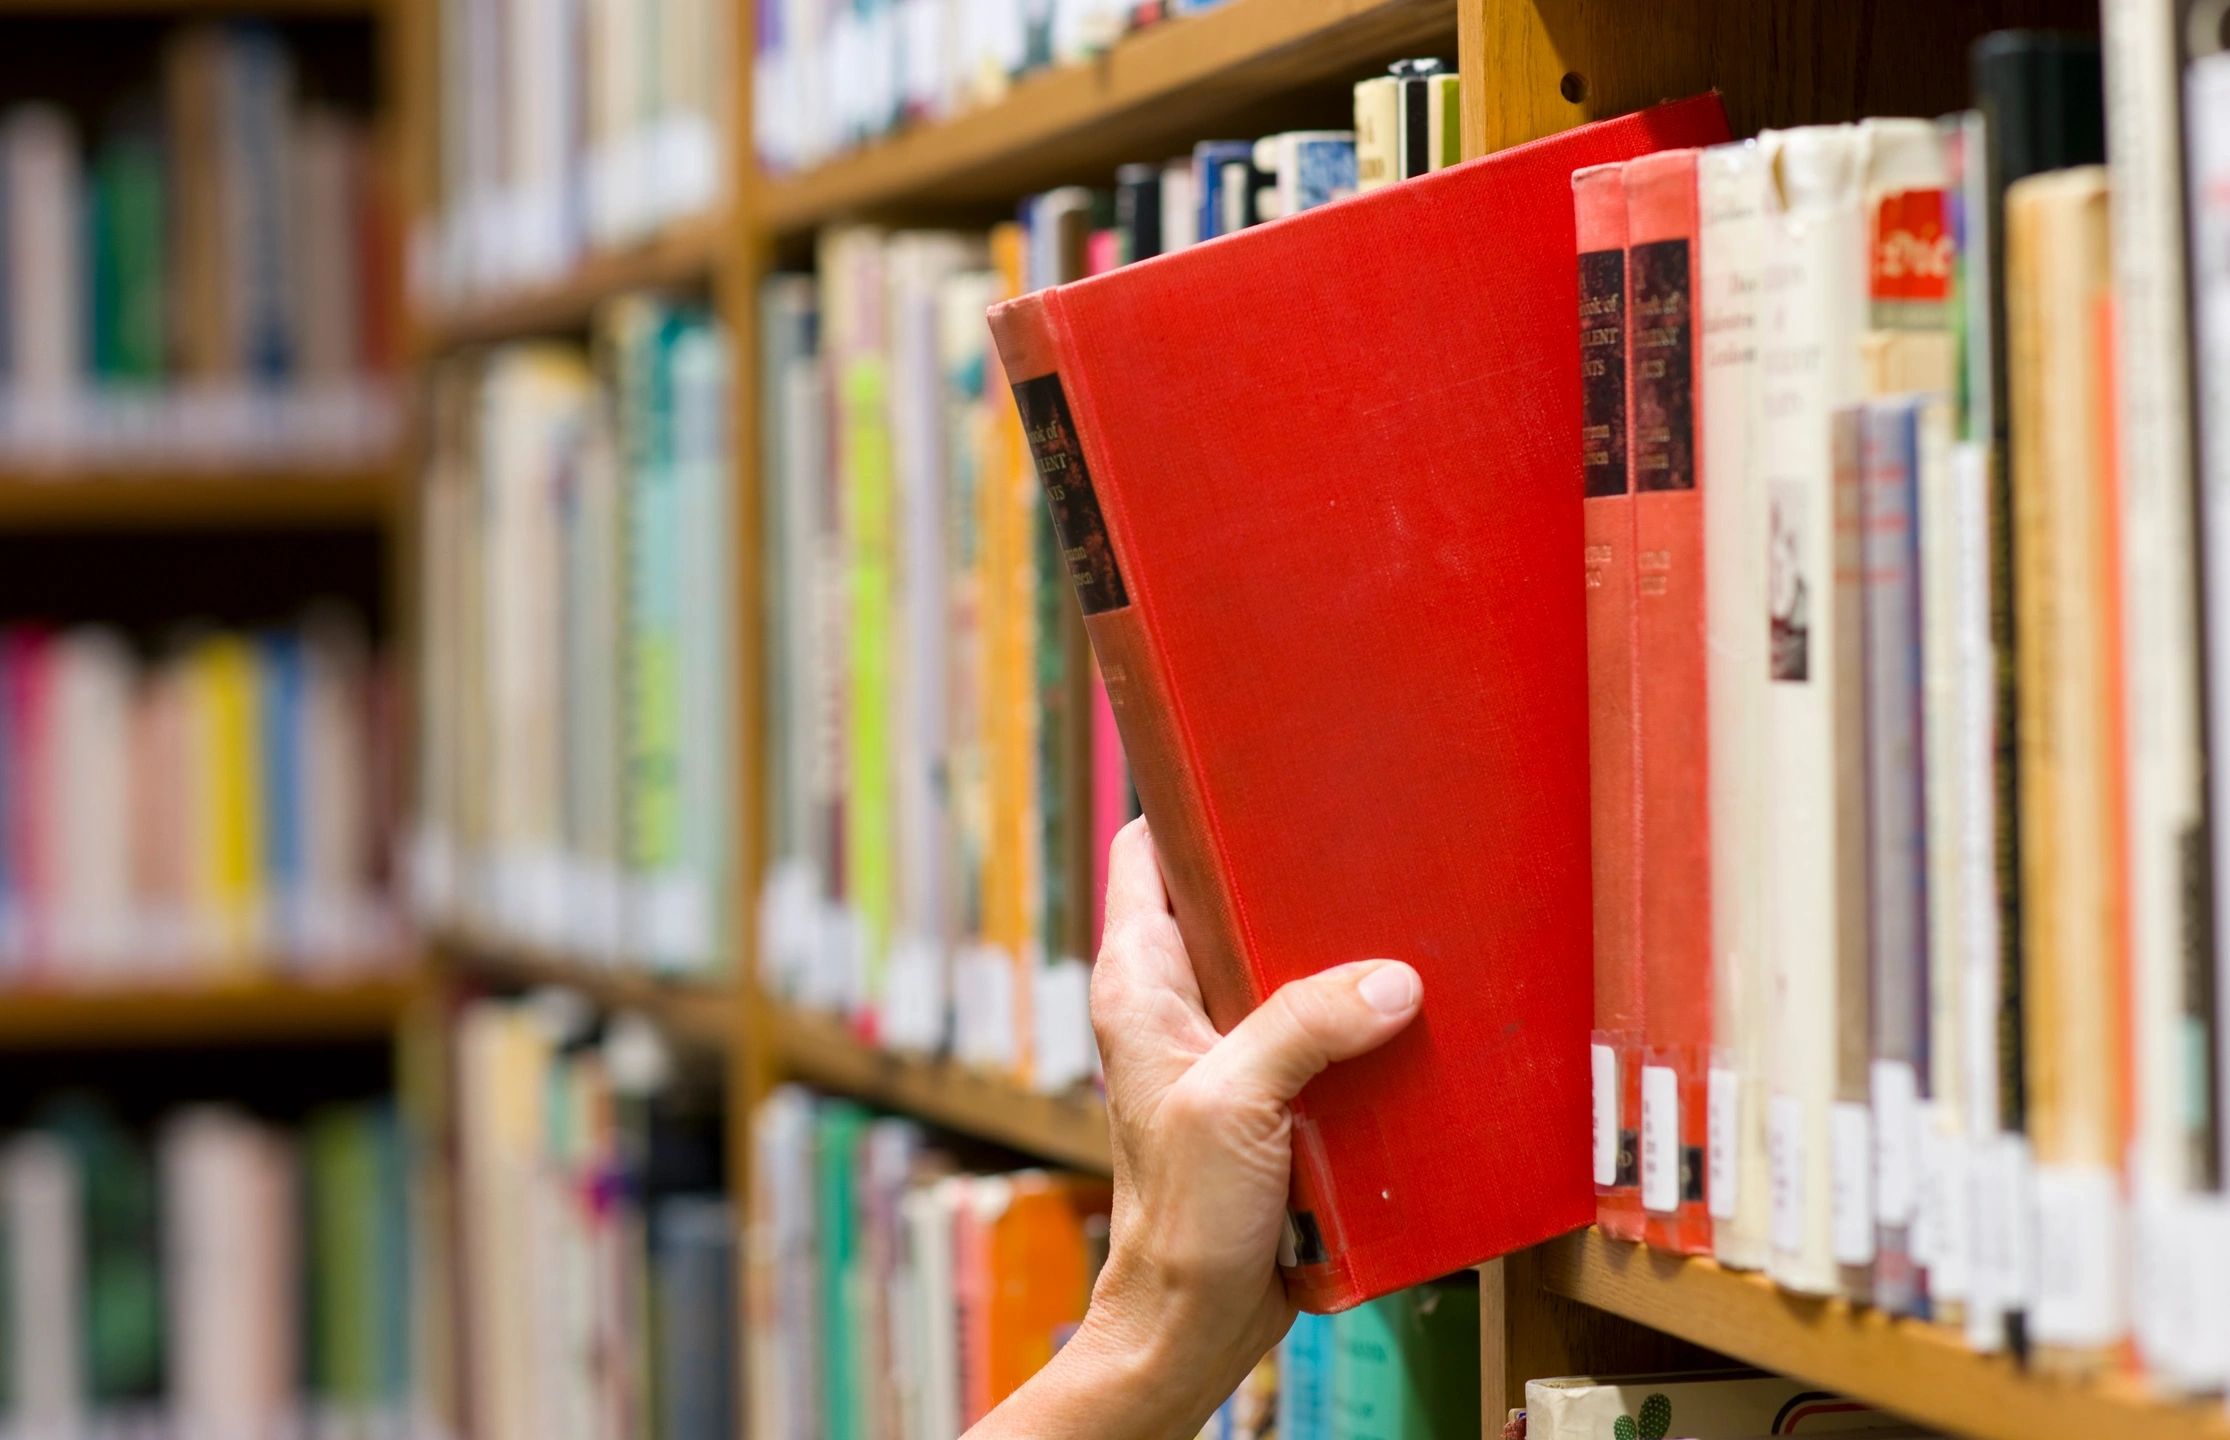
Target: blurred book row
{"type": "Point", "coordinates": [570, 128]}
{"type": "Point", "coordinates": [831, 75]}
{"type": "Point", "coordinates": [218, 1277]}
{"type": "Point", "coordinates": [210, 279]}
{"type": "Point", "coordinates": [597, 1242]}
{"type": "Point", "coordinates": [944, 775]}
{"type": "Point", "coordinates": [220, 808]}
{"type": "Point", "coordinates": [575, 756]}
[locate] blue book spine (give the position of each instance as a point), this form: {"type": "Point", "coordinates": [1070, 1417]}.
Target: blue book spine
{"type": "Point", "coordinates": [1209, 158]}
{"type": "Point", "coordinates": [1304, 1373]}
{"type": "Point", "coordinates": [280, 676]}
{"type": "Point", "coordinates": [1324, 171]}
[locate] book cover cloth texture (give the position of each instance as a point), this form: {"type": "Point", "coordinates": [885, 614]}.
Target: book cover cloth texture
{"type": "Point", "coordinates": [1318, 485]}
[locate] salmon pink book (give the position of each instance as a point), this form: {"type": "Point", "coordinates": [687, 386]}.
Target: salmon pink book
{"type": "Point", "coordinates": [1318, 487]}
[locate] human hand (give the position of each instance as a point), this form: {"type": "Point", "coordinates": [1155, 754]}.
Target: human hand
{"type": "Point", "coordinates": [1191, 1296]}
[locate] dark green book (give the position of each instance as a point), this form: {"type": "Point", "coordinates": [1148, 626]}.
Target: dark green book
{"type": "Point", "coordinates": [129, 295]}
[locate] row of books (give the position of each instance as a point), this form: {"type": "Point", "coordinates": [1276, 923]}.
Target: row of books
{"type": "Point", "coordinates": [1906, 970]}
{"type": "Point", "coordinates": [225, 804]}
{"type": "Point", "coordinates": [1695, 1405]}
{"type": "Point", "coordinates": [575, 789]}
{"type": "Point", "coordinates": [214, 279]}
{"type": "Point", "coordinates": [894, 1291]}
{"type": "Point", "coordinates": [221, 1277]}
{"type": "Point", "coordinates": [833, 74]}
{"type": "Point", "coordinates": [597, 1246]}
{"type": "Point", "coordinates": [568, 129]}
{"type": "Point", "coordinates": [944, 775]}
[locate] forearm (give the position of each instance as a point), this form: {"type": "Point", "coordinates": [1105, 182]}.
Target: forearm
{"type": "Point", "coordinates": [1104, 1385]}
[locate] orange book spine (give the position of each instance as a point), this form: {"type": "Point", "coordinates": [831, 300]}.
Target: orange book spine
{"type": "Point", "coordinates": [1672, 721]}
{"type": "Point", "coordinates": [1599, 213]}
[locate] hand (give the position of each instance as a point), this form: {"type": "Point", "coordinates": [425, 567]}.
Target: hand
{"type": "Point", "coordinates": [1191, 1296]}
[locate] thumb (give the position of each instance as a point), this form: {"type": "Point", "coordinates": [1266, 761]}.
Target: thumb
{"type": "Point", "coordinates": [1307, 1024]}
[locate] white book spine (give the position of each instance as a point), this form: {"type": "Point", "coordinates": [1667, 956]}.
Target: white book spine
{"type": "Point", "coordinates": [2169, 896]}
{"type": "Point", "coordinates": [1813, 304]}
{"type": "Point", "coordinates": [1731, 194]}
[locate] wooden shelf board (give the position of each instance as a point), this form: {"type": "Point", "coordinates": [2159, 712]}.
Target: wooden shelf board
{"type": "Point", "coordinates": [102, 497]}
{"type": "Point", "coordinates": [1149, 96]}
{"type": "Point", "coordinates": [368, 1002]}
{"type": "Point", "coordinates": [682, 255]}
{"type": "Point", "coordinates": [703, 1014]}
{"type": "Point", "coordinates": [1920, 1371]}
{"type": "Point", "coordinates": [163, 9]}
{"type": "Point", "coordinates": [1066, 1130]}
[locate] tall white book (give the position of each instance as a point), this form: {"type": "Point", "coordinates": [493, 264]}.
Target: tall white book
{"type": "Point", "coordinates": [1731, 196]}
{"type": "Point", "coordinates": [41, 1210]}
{"type": "Point", "coordinates": [2170, 895]}
{"type": "Point", "coordinates": [1813, 305]}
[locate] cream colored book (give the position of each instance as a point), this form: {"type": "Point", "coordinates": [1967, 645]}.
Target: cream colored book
{"type": "Point", "coordinates": [1731, 196]}
{"type": "Point", "coordinates": [2057, 275]}
{"type": "Point", "coordinates": [1377, 132]}
{"type": "Point", "coordinates": [2170, 904]}
{"type": "Point", "coordinates": [1812, 304]}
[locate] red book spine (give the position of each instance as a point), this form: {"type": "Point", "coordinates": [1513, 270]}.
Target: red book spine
{"type": "Point", "coordinates": [1613, 740]}
{"type": "Point", "coordinates": [1673, 720]}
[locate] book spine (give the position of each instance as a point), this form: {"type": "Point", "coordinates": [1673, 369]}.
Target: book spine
{"type": "Point", "coordinates": [1607, 511]}
{"type": "Point", "coordinates": [1672, 714]}
{"type": "Point", "coordinates": [1812, 297]}
{"type": "Point", "coordinates": [1850, 1134]}
{"type": "Point", "coordinates": [2056, 268]}
{"type": "Point", "coordinates": [1377, 132]}
{"type": "Point", "coordinates": [1088, 519]}
{"type": "Point", "coordinates": [2170, 895]}
{"type": "Point", "coordinates": [1890, 464]}
{"type": "Point", "coordinates": [1730, 200]}
{"type": "Point", "coordinates": [2207, 139]}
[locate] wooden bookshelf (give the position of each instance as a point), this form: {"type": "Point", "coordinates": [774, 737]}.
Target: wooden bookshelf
{"type": "Point", "coordinates": [1153, 94]}
{"type": "Point", "coordinates": [247, 496]}
{"type": "Point", "coordinates": [1920, 1371]}
{"type": "Point", "coordinates": [1069, 1130]}
{"type": "Point", "coordinates": [682, 256]}
{"type": "Point", "coordinates": [365, 1003]}
{"type": "Point", "coordinates": [184, 9]}
{"type": "Point", "coordinates": [702, 1014]}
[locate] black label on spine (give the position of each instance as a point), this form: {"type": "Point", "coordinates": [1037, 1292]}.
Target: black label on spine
{"type": "Point", "coordinates": [1603, 372]}
{"type": "Point", "coordinates": [1068, 492]}
{"type": "Point", "coordinates": [1664, 396]}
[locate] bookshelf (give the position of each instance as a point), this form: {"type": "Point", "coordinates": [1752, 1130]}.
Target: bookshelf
{"type": "Point", "coordinates": [1921, 1371]}
{"type": "Point", "coordinates": [80, 498]}
{"type": "Point", "coordinates": [1065, 1130]}
{"type": "Point", "coordinates": [680, 257]}
{"type": "Point", "coordinates": [1158, 87]}
{"type": "Point", "coordinates": [700, 1014]}
{"type": "Point", "coordinates": [362, 1002]}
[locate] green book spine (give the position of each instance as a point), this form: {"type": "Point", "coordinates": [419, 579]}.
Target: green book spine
{"type": "Point", "coordinates": [123, 1295]}
{"type": "Point", "coordinates": [868, 500]}
{"type": "Point", "coordinates": [841, 1128]}
{"type": "Point", "coordinates": [653, 802]}
{"type": "Point", "coordinates": [344, 1260]}
{"type": "Point", "coordinates": [133, 218]}
{"type": "Point", "coordinates": [1406, 1367]}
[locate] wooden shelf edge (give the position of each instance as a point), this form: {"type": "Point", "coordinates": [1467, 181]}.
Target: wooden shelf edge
{"type": "Point", "coordinates": [1920, 1371]}
{"type": "Point", "coordinates": [104, 497]}
{"type": "Point", "coordinates": [1068, 1130]}
{"type": "Point", "coordinates": [167, 9]}
{"type": "Point", "coordinates": [362, 1003]}
{"type": "Point", "coordinates": [1072, 115]}
{"type": "Point", "coordinates": [684, 254]}
{"type": "Point", "coordinates": [703, 1014]}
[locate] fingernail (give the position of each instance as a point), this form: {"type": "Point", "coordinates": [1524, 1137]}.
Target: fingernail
{"type": "Point", "coordinates": [1390, 989]}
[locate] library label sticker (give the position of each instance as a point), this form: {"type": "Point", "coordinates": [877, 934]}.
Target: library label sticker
{"type": "Point", "coordinates": [1724, 1106]}
{"type": "Point", "coordinates": [1946, 1214]}
{"type": "Point", "coordinates": [1851, 1190]}
{"type": "Point", "coordinates": [1897, 1112]}
{"type": "Point", "coordinates": [1785, 1164]}
{"type": "Point", "coordinates": [2079, 1238]}
{"type": "Point", "coordinates": [1604, 1062]}
{"type": "Point", "coordinates": [1660, 1139]}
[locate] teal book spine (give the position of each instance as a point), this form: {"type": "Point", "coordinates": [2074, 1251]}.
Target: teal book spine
{"type": "Point", "coordinates": [1406, 1367]}
{"type": "Point", "coordinates": [844, 1389]}
{"type": "Point", "coordinates": [1304, 1379]}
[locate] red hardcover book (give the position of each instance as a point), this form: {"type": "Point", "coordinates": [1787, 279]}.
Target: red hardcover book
{"type": "Point", "coordinates": [1613, 707]}
{"type": "Point", "coordinates": [1317, 486]}
{"type": "Point", "coordinates": [1672, 717]}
